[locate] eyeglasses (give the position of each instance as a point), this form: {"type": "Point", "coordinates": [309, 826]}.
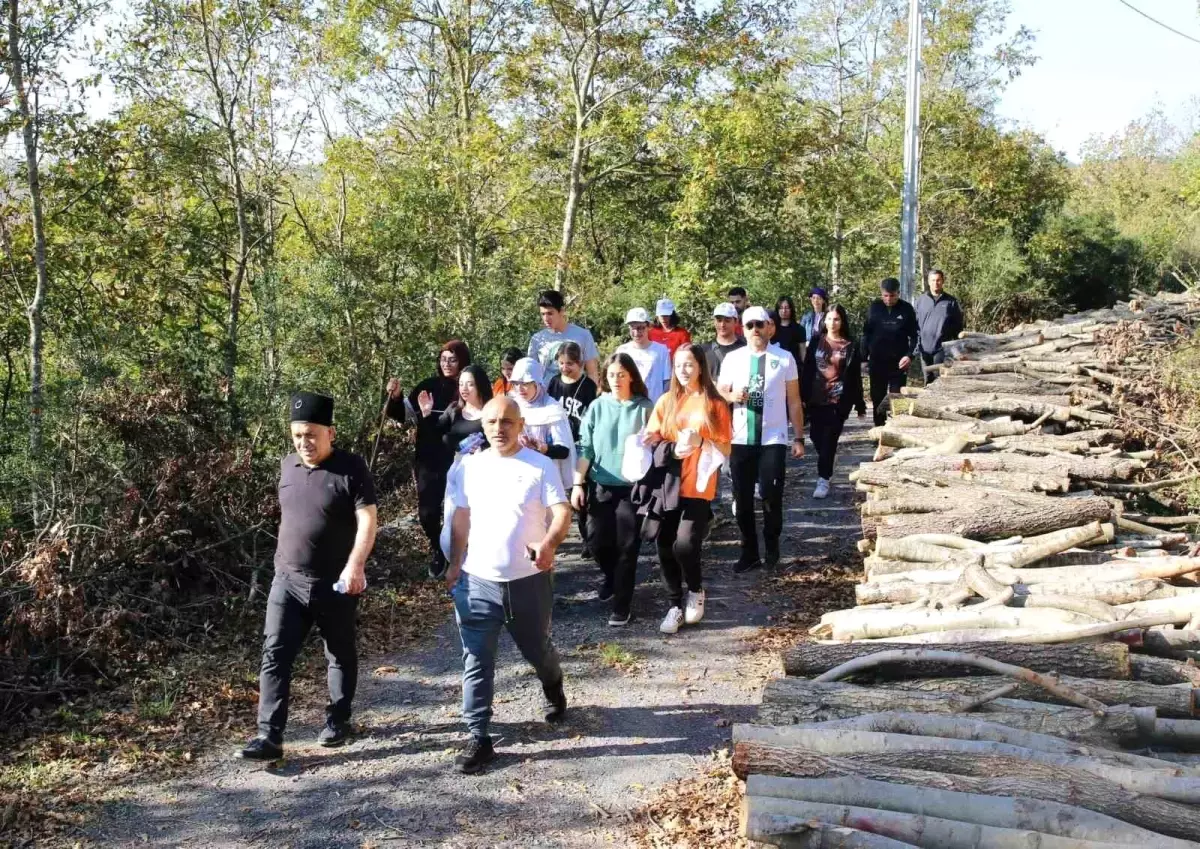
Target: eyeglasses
{"type": "Point", "coordinates": [755, 325]}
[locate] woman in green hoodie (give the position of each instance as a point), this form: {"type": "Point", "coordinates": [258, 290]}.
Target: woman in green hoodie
{"type": "Point", "coordinates": [614, 526]}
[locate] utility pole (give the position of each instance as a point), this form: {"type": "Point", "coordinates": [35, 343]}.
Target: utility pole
{"type": "Point", "coordinates": [912, 155]}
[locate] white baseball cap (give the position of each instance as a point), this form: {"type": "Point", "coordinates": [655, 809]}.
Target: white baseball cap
{"type": "Point", "coordinates": [526, 370]}
{"type": "Point", "coordinates": [665, 306]}
{"type": "Point", "coordinates": [725, 310]}
{"type": "Point", "coordinates": [755, 314]}
{"type": "Point", "coordinates": [637, 315]}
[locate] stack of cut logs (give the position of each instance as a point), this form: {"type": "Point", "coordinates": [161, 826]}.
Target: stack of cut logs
{"type": "Point", "coordinates": [1018, 630]}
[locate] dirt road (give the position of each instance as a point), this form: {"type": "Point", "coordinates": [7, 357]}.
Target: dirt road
{"type": "Point", "coordinates": [644, 708]}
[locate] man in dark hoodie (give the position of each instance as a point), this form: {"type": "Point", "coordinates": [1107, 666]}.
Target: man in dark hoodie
{"type": "Point", "coordinates": [423, 406]}
{"type": "Point", "coordinates": [939, 319]}
{"type": "Point", "coordinates": [889, 341]}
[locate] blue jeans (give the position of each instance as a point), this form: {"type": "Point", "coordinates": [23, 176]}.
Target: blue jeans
{"type": "Point", "coordinates": [482, 608]}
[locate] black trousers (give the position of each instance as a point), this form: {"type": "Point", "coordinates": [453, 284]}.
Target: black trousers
{"type": "Point", "coordinates": [937, 357]}
{"type": "Point", "coordinates": [431, 493]}
{"type": "Point", "coordinates": [288, 622]}
{"type": "Point", "coordinates": [884, 380]}
{"type": "Point", "coordinates": [825, 429]}
{"type": "Point", "coordinates": [615, 534]}
{"type": "Point", "coordinates": [680, 539]}
{"type": "Point", "coordinates": [765, 465]}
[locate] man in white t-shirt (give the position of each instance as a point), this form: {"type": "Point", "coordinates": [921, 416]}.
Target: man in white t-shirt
{"type": "Point", "coordinates": [762, 382]}
{"type": "Point", "coordinates": [556, 330]}
{"type": "Point", "coordinates": [652, 359]}
{"type": "Point", "coordinates": [510, 515]}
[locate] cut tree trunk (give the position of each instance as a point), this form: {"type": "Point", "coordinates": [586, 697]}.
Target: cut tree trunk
{"type": "Point", "coordinates": [991, 517]}
{"type": "Point", "coordinates": [925, 831]}
{"type": "Point", "coordinates": [1090, 660]}
{"type": "Point", "coordinates": [857, 624]}
{"type": "Point", "coordinates": [1179, 701]}
{"type": "Point", "coordinates": [794, 701]}
{"type": "Point", "coordinates": [1046, 817]}
{"type": "Point", "coordinates": [1171, 782]}
{"type": "Point", "coordinates": [1004, 777]}
{"type": "Point", "coordinates": [788, 832]}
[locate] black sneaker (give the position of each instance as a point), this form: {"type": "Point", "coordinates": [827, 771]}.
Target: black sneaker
{"type": "Point", "coordinates": [475, 755]}
{"type": "Point", "coordinates": [745, 564]}
{"type": "Point", "coordinates": [772, 558]}
{"type": "Point", "coordinates": [556, 702]}
{"type": "Point", "coordinates": [437, 566]}
{"type": "Point", "coordinates": [606, 590]}
{"type": "Point", "coordinates": [618, 620]}
{"type": "Point", "coordinates": [334, 734]}
{"type": "Point", "coordinates": [261, 749]}
{"type": "Point", "coordinates": [586, 554]}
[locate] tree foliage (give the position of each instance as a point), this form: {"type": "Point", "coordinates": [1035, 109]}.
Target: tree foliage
{"type": "Point", "coordinates": [293, 194]}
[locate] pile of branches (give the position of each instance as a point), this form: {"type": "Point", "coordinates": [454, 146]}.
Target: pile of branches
{"type": "Point", "coordinates": [1057, 628]}
{"type": "Point", "coordinates": [157, 531]}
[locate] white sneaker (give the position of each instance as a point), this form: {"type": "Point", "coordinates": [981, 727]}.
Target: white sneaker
{"type": "Point", "coordinates": [822, 490]}
{"type": "Point", "coordinates": [694, 610]}
{"type": "Point", "coordinates": [672, 621]}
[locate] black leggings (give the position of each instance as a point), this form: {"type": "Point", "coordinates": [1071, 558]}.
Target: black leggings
{"type": "Point", "coordinates": [615, 534]}
{"type": "Point", "coordinates": [825, 425]}
{"type": "Point", "coordinates": [431, 494]}
{"type": "Point", "coordinates": [680, 537]}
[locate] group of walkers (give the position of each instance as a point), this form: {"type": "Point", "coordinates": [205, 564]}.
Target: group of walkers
{"type": "Point", "coordinates": [637, 447]}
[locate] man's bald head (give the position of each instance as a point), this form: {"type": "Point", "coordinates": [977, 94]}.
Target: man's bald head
{"type": "Point", "coordinates": [502, 424]}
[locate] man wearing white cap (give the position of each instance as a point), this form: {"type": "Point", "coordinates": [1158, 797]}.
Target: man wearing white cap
{"type": "Point", "coordinates": [667, 331]}
{"type": "Point", "coordinates": [725, 320]}
{"type": "Point", "coordinates": [652, 359]}
{"type": "Point", "coordinates": [762, 382]}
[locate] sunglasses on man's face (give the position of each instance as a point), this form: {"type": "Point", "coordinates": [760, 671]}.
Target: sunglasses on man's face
{"type": "Point", "coordinates": [755, 325]}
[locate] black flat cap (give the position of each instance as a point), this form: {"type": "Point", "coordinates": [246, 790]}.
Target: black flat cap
{"type": "Point", "coordinates": [311, 408]}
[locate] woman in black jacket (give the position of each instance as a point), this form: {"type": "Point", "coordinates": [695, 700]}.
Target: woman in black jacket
{"type": "Point", "coordinates": [831, 383]}
{"type": "Point", "coordinates": [424, 407]}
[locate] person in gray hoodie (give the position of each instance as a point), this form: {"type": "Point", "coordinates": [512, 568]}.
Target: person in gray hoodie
{"type": "Point", "coordinates": [939, 319]}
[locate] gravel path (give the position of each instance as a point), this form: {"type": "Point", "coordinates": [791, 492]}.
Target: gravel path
{"type": "Point", "coordinates": [629, 730]}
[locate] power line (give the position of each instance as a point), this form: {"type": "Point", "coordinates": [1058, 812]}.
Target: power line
{"type": "Point", "coordinates": [1160, 23]}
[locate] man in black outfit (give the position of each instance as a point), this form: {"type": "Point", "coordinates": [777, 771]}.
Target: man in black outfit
{"type": "Point", "coordinates": [939, 319]}
{"type": "Point", "coordinates": [889, 341]}
{"type": "Point", "coordinates": [326, 532]}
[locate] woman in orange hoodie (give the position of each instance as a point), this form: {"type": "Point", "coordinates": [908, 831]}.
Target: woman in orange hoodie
{"type": "Point", "coordinates": [692, 415]}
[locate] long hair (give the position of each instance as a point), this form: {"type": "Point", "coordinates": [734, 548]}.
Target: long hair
{"type": "Point", "coordinates": [630, 367]}
{"type": "Point", "coordinates": [668, 322]}
{"type": "Point", "coordinates": [677, 391]}
{"type": "Point", "coordinates": [482, 385]}
{"type": "Point", "coordinates": [787, 299]}
{"type": "Point", "coordinates": [847, 332]}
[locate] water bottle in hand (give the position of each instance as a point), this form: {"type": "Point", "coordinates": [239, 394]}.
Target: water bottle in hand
{"type": "Point", "coordinates": [341, 586]}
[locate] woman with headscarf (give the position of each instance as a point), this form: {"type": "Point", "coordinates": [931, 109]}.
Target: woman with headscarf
{"type": "Point", "coordinates": [547, 428]}
{"type": "Point", "coordinates": [424, 406]}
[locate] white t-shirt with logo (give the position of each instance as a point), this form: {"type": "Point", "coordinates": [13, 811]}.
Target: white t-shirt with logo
{"type": "Point", "coordinates": [509, 499]}
{"type": "Point", "coordinates": [545, 344]}
{"type": "Point", "coordinates": [653, 364]}
{"type": "Point", "coordinates": [763, 419]}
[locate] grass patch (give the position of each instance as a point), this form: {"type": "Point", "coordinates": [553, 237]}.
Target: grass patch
{"type": "Point", "coordinates": [616, 656]}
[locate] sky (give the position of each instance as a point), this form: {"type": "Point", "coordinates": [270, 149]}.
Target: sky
{"type": "Point", "coordinates": [1101, 66]}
